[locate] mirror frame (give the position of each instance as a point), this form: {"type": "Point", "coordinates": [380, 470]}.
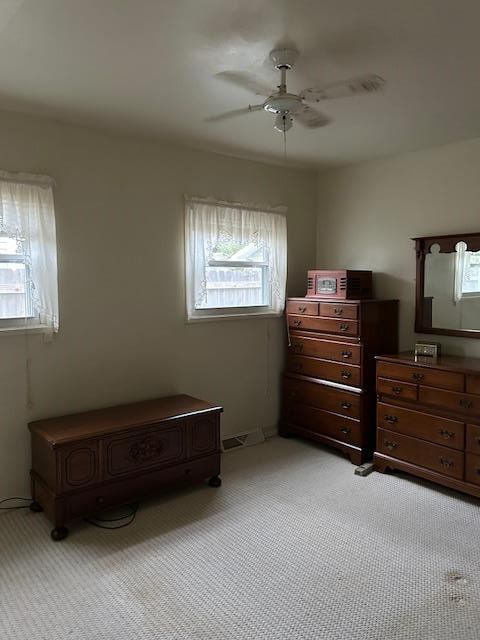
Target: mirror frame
{"type": "Point", "coordinates": [423, 247]}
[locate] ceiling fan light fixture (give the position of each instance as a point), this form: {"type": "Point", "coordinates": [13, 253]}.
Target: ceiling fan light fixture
{"type": "Point", "coordinates": [283, 122]}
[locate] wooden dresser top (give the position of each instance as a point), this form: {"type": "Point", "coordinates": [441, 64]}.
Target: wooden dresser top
{"type": "Point", "coordinates": [90, 424]}
{"type": "Point", "coordinates": [447, 363]}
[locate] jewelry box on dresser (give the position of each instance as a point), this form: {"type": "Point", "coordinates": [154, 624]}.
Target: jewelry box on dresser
{"type": "Point", "coordinates": [428, 419]}
{"type": "Point", "coordinates": [329, 382]}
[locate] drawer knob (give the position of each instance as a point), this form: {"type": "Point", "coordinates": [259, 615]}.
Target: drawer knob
{"type": "Point", "coordinates": [466, 404]}
{"type": "Point", "coordinates": [447, 435]}
{"type": "Point", "coordinates": [302, 309]}
{"type": "Point", "coordinates": [346, 354]}
{"type": "Point", "coordinates": [346, 405]}
{"type": "Point", "coordinates": [345, 430]}
{"type": "Point", "coordinates": [344, 327]}
{"type": "Point", "coordinates": [397, 390]}
{"type": "Point", "coordinates": [297, 323]}
{"type": "Point", "coordinates": [391, 445]}
{"type": "Point", "coordinates": [391, 419]}
{"type": "Point", "coordinates": [297, 366]}
{"type": "Point", "coordinates": [346, 374]}
{"type": "Point", "coordinates": [446, 462]}
{"type": "Point", "coordinates": [338, 311]}
{"type": "Point", "coordinates": [418, 376]}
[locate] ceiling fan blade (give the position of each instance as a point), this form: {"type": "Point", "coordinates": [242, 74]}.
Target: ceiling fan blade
{"type": "Point", "coordinates": [247, 81]}
{"type": "Point", "coordinates": [310, 117]}
{"type": "Point", "coordinates": [368, 83]}
{"type": "Point", "coordinates": [234, 113]}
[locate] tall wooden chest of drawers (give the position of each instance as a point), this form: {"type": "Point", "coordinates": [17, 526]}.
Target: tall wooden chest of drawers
{"type": "Point", "coordinates": [86, 462]}
{"type": "Point", "coordinates": [329, 382]}
{"type": "Point", "coordinates": [428, 419]}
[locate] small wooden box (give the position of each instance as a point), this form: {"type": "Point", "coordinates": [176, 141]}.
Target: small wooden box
{"type": "Point", "coordinates": [339, 285]}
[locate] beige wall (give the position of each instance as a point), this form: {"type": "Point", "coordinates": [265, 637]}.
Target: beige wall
{"type": "Point", "coordinates": [367, 214]}
{"type": "Point", "coordinates": [119, 204]}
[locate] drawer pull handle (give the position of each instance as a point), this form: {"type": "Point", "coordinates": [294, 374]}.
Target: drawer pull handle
{"type": "Point", "coordinates": [345, 430]}
{"type": "Point", "coordinates": [346, 354]}
{"type": "Point", "coordinates": [447, 435]}
{"type": "Point", "coordinates": [297, 323]}
{"type": "Point", "coordinates": [446, 462]}
{"type": "Point", "coordinates": [391, 419]}
{"type": "Point", "coordinates": [391, 445]}
{"type": "Point", "coordinates": [418, 376]}
{"type": "Point", "coordinates": [397, 390]}
{"type": "Point", "coordinates": [297, 366]}
{"type": "Point", "coordinates": [338, 311]}
{"type": "Point", "coordinates": [466, 404]}
{"type": "Point", "coordinates": [346, 375]}
{"type": "Point", "coordinates": [302, 309]}
{"type": "Point", "coordinates": [344, 327]}
{"type": "Point", "coordinates": [297, 346]}
{"type": "Point", "coordinates": [346, 405]}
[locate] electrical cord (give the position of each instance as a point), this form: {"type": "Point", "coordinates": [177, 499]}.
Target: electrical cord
{"type": "Point", "coordinates": [97, 522]}
{"type": "Point", "coordinates": [18, 506]}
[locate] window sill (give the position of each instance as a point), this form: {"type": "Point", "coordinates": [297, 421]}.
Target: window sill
{"type": "Point", "coordinates": [38, 328]}
{"type": "Point", "coordinates": [233, 316]}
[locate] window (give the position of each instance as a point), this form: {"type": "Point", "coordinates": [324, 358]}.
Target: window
{"type": "Point", "coordinates": [28, 259]}
{"type": "Point", "coordinates": [236, 260]}
{"type": "Point", "coordinates": [471, 274]}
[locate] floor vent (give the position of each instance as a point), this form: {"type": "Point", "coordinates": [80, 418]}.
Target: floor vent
{"type": "Point", "coordinates": [243, 440]}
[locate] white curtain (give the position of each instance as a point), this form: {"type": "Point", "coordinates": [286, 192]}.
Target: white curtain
{"type": "Point", "coordinates": [209, 222]}
{"type": "Point", "coordinates": [460, 257]}
{"type": "Point", "coordinates": [27, 215]}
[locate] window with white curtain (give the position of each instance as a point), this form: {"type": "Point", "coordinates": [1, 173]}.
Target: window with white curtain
{"type": "Point", "coordinates": [467, 273]}
{"type": "Point", "coordinates": [28, 253]}
{"type": "Point", "coordinates": [236, 259]}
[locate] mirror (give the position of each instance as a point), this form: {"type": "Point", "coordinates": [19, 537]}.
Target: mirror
{"type": "Point", "coordinates": [448, 285]}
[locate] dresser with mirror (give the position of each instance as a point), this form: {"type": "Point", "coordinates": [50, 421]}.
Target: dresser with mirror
{"type": "Point", "coordinates": [428, 408]}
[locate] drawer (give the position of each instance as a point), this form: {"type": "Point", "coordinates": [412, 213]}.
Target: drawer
{"type": "Point", "coordinates": [153, 447]}
{"type": "Point", "coordinates": [324, 423]}
{"type": "Point", "coordinates": [472, 468]}
{"type": "Point", "coordinates": [473, 384]}
{"type": "Point", "coordinates": [334, 310]}
{"type": "Point", "coordinates": [322, 397]}
{"type": "Point", "coordinates": [127, 490]}
{"type": "Point", "coordinates": [424, 454]}
{"type": "Point", "coordinates": [343, 373]}
{"type": "Point", "coordinates": [402, 390]}
{"type": "Point", "coordinates": [472, 443]}
{"type": "Point", "coordinates": [302, 307]}
{"type": "Point", "coordinates": [325, 325]}
{"type": "Point", "coordinates": [423, 375]}
{"type": "Point", "coordinates": [449, 433]}
{"type": "Point", "coordinates": [458, 402]}
{"type": "Point", "coordinates": [327, 349]}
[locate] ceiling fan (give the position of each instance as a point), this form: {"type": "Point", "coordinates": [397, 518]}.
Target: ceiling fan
{"type": "Point", "coordinates": [290, 107]}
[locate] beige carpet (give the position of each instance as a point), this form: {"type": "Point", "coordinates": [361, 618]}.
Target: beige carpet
{"type": "Point", "coordinates": [293, 546]}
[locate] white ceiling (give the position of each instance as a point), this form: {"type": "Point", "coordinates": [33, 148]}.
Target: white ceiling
{"type": "Point", "coordinates": [149, 66]}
